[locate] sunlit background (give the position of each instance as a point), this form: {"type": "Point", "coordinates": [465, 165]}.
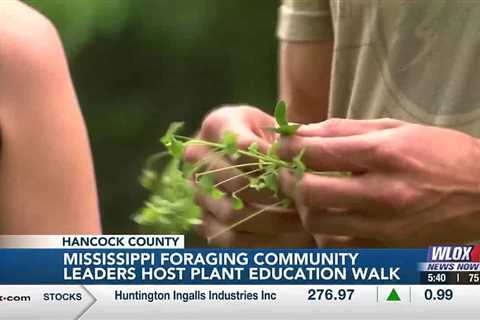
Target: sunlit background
{"type": "Point", "coordinates": [138, 65]}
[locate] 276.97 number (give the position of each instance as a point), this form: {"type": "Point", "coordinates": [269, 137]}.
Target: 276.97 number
{"type": "Point", "coordinates": [330, 294]}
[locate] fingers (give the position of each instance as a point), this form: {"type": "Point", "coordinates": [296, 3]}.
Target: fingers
{"type": "Point", "coordinates": [341, 144]}
{"type": "Point", "coordinates": [195, 153]}
{"type": "Point", "coordinates": [337, 127]}
{"type": "Point", "coordinates": [321, 192]}
{"type": "Point", "coordinates": [246, 123]}
{"type": "Point", "coordinates": [236, 238]}
{"type": "Point", "coordinates": [230, 180]}
{"type": "Point", "coordinates": [270, 222]}
{"type": "Point", "coordinates": [314, 195]}
{"type": "Point", "coordinates": [354, 153]}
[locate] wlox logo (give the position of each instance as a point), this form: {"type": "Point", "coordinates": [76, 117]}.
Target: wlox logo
{"type": "Point", "coordinates": [454, 254]}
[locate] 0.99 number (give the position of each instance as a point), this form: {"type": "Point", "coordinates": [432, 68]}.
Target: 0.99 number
{"type": "Point", "coordinates": [439, 294]}
{"type": "Point", "coordinates": [330, 294]}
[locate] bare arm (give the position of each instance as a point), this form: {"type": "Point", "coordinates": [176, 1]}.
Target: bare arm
{"type": "Point", "coordinates": [47, 183]}
{"type": "Point", "coordinates": [305, 79]}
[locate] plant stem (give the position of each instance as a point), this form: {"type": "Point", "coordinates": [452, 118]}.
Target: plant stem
{"type": "Point", "coordinates": [236, 224]}
{"type": "Point", "coordinates": [227, 168]}
{"type": "Point", "coordinates": [256, 155]}
{"type": "Point", "coordinates": [210, 156]}
{"type": "Point", "coordinates": [267, 159]}
{"type": "Point", "coordinates": [237, 176]}
{"type": "Point", "coordinates": [234, 194]}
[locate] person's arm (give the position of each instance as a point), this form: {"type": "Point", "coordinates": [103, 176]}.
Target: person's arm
{"type": "Point", "coordinates": [305, 59]}
{"type": "Point", "coordinates": [47, 183]}
{"type": "Point", "coordinates": [305, 79]}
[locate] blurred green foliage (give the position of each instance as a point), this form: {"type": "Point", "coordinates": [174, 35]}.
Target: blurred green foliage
{"type": "Point", "coordinates": [138, 65]}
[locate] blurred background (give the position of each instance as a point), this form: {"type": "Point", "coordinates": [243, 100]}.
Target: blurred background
{"type": "Point", "coordinates": [138, 65]}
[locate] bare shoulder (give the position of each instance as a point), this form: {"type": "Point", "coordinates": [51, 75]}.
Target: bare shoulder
{"type": "Point", "coordinates": [27, 36]}
{"type": "Point", "coordinates": [32, 58]}
{"type": "Point", "coordinates": [22, 22]}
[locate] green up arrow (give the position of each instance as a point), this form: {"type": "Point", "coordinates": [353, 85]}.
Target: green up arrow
{"type": "Point", "coordinates": [393, 296]}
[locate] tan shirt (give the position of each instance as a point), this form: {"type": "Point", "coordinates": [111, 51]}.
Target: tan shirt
{"type": "Point", "coordinates": [415, 60]}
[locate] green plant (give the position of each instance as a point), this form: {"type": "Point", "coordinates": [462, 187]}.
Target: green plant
{"type": "Point", "coordinates": [171, 207]}
{"type": "Point", "coordinates": [284, 127]}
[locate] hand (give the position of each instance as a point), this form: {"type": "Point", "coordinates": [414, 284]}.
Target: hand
{"type": "Point", "coordinates": [412, 185]}
{"type": "Point", "coordinates": [272, 228]}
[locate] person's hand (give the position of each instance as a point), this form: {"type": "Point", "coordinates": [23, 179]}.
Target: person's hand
{"type": "Point", "coordinates": [411, 185]}
{"type": "Point", "coordinates": [272, 228]}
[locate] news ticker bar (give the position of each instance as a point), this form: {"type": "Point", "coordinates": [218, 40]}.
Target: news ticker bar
{"type": "Point", "coordinates": [239, 302]}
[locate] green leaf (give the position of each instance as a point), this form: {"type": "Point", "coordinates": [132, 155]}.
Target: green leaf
{"type": "Point", "coordinates": [281, 114]}
{"type": "Point", "coordinates": [216, 194]}
{"type": "Point", "coordinates": [230, 142]}
{"type": "Point", "coordinates": [235, 156]}
{"type": "Point", "coordinates": [287, 130]}
{"type": "Point", "coordinates": [206, 183]}
{"type": "Point", "coordinates": [271, 182]}
{"type": "Point", "coordinates": [284, 128]}
{"type": "Point", "coordinates": [193, 221]}
{"type": "Point", "coordinates": [188, 170]}
{"type": "Point", "coordinates": [148, 178]}
{"type": "Point", "coordinates": [285, 203]}
{"type": "Point", "coordinates": [298, 165]}
{"type": "Point", "coordinates": [171, 131]}
{"type": "Point", "coordinates": [174, 147]}
{"type": "Point", "coordinates": [253, 148]}
{"type": "Point", "coordinates": [257, 184]}
{"type": "Point", "coordinates": [237, 203]}
{"type": "Point", "coordinates": [171, 208]}
{"type": "Point", "coordinates": [273, 150]}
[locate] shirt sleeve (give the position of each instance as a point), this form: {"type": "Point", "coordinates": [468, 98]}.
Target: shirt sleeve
{"type": "Point", "coordinates": [304, 20]}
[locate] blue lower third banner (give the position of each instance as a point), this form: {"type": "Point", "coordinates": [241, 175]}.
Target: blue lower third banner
{"type": "Point", "coordinates": [155, 277]}
{"type": "Point", "coordinates": [212, 266]}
